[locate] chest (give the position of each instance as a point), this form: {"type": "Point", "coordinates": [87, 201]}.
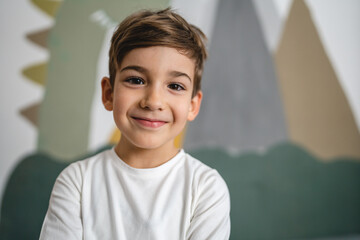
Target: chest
{"type": "Point", "coordinates": [126, 206]}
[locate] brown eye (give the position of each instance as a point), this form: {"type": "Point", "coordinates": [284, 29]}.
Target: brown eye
{"type": "Point", "coordinates": [177, 87]}
{"type": "Point", "coordinates": [135, 80]}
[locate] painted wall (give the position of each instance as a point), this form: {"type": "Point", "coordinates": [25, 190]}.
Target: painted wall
{"type": "Point", "coordinates": [287, 73]}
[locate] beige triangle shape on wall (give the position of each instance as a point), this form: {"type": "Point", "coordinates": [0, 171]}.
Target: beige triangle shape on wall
{"type": "Point", "coordinates": [31, 113]}
{"type": "Point", "coordinates": [115, 136]}
{"type": "Point", "coordinates": [317, 112]}
{"type": "Point", "coordinates": [39, 37]}
{"type": "Point", "coordinates": [50, 7]}
{"type": "Point", "coordinates": [36, 73]}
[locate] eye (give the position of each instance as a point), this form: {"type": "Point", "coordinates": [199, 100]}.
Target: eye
{"type": "Point", "coordinates": [135, 80]}
{"type": "Point", "coordinates": [176, 87]}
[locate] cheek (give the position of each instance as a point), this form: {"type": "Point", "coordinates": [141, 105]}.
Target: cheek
{"type": "Point", "coordinates": [181, 112]}
{"type": "Point", "coordinates": [123, 101]}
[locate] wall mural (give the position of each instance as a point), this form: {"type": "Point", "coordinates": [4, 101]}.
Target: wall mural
{"type": "Point", "coordinates": [275, 121]}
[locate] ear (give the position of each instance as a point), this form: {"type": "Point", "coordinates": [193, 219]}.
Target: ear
{"type": "Point", "coordinates": [195, 106]}
{"type": "Point", "coordinates": [107, 93]}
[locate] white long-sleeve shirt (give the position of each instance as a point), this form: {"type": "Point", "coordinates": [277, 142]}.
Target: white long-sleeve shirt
{"type": "Point", "coordinates": [104, 198]}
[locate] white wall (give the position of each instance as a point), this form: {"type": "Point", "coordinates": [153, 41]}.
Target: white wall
{"type": "Point", "coordinates": [18, 137]}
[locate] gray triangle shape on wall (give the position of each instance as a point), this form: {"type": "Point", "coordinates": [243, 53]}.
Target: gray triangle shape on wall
{"type": "Point", "coordinates": [241, 108]}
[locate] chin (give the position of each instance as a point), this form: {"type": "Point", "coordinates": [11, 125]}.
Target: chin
{"type": "Point", "coordinates": [147, 143]}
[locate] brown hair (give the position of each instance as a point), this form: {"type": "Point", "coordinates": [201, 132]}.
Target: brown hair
{"type": "Point", "coordinates": [158, 28]}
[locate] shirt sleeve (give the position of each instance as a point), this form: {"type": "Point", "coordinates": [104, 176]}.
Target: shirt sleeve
{"type": "Point", "coordinates": [63, 218]}
{"type": "Point", "coordinates": [211, 218]}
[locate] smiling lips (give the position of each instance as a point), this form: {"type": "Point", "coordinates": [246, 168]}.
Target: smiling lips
{"type": "Point", "coordinates": [150, 123]}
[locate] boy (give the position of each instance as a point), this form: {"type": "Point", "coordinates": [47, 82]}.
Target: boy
{"type": "Point", "coordinates": [145, 188]}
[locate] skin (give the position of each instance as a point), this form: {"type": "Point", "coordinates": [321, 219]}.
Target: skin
{"type": "Point", "coordinates": [151, 103]}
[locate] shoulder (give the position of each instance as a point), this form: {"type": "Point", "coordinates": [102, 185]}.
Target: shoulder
{"type": "Point", "coordinates": [76, 171]}
{"type": "Point", "coordinates": [206, 180]}
{"type": "Point", "coordinates": [64, 216]}
{"type": "Point", "coordinates": [210, 207]}
{"type": "Point", "coordinates": [202, 171]}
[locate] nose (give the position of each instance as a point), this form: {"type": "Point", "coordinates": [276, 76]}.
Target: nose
{"type": "Point", "coordinates": [153, 99]}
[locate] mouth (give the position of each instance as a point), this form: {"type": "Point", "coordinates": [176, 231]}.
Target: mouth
{"type": "Point", "coordinates": [148, 122]}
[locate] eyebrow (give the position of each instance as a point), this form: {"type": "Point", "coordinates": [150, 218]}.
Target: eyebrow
{"type": "Point", "coordinates": [179, 74]}
{"type": "Point", "coordinates": [144, 70]}
{"type": "Point", "coordinates": [136, 68]}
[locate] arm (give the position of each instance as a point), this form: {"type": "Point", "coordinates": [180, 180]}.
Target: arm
{"type": "Point", "coordinates": [211, 218]}
{"type": "Point", "coordinates": [63, 218]}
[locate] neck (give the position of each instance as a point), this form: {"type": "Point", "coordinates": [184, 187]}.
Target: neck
{"type": "Point", "coordinates": [145, 158]}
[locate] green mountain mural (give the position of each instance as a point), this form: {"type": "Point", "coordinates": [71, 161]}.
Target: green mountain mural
{"type": "Point", "coordinates": [287, 193]}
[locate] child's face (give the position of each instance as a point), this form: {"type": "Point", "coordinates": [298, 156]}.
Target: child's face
{"type": "Point", "coordinates": [152, 96]}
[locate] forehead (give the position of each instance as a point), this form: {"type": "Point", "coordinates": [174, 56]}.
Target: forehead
{"type": "Point", "coordinates": [159, 59]}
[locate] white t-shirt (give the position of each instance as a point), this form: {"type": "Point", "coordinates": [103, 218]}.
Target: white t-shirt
{"type": "Point", "coordinates": [104, 198]}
